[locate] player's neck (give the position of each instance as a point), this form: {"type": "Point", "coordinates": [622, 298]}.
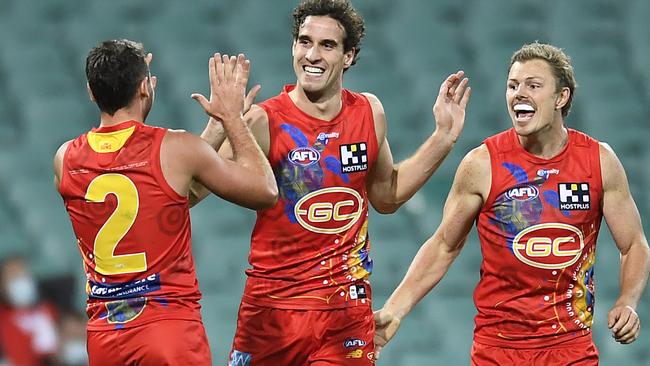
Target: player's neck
{"type": "Point", "coordinates": [546, 143]}
{"type": "Point", "coordinates": [121, 115]}
{"type": "Point", "coordinates": [325, 106]}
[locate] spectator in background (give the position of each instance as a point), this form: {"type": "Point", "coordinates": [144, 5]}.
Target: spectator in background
{"type": "Point", "coordinates": [72, 335]}
{"type": "Point", "coordinates": [28, 334]}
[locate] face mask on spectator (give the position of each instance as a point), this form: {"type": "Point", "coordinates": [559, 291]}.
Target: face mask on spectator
{"type": "Point", "coordinates": [21, 291]}
{"type": "Point", "coordinates": [74, 353]}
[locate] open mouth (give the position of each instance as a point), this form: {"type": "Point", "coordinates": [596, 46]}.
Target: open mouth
{"type": "Point", "coordinates": [523, 112]}
{"type": "Point", "coordinates": [313, 70]}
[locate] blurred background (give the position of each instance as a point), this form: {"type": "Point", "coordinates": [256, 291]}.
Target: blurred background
{"type": "Point", "coordinates": [410, 47]}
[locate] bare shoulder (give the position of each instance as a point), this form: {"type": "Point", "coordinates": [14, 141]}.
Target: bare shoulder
{"type": "Point", "coordinates": [58, 156]}
{"type": "Point", "coordinates": [375, 103]}
{"type": "Point", "coordinates": [477, 159]}
{"type": "Point", "coordinates": [256, 115]}
{"type": "Point", "coordinates": [181, 143]}
{"type": "Point", "coordinates": [258, 122]}
{"type": "Point", "coordinates": [474, 172]}
{"type": "Point", "coordinates": [58, 162]}
{"type": "Point", "coordinates": [612, 171]}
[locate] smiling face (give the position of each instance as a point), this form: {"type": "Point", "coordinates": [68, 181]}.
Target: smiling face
{"type": "Point", "coordinates": [534, 102]}
{"type": "Point", "coordinates": [318, 55]}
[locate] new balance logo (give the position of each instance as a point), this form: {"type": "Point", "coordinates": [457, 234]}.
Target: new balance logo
{"type": "Point", "coordinates": [354, 157]}
{"type": "Point", "coordinates": [238, 358]}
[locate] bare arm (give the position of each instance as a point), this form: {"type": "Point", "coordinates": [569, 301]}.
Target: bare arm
{"type": "Point", "coordinates": [214, 134]}
{"type": "Point", "coordinates": [391, 185]}
{"type": "Point", "coordinates": [624, 222]}
{"type": "Point", "coordinates": [228, 79]}
{"type": "Point", "coordinates": [468, 193]}
{"type": "Point", "coordinates": [186, 157]}
{"type": "Point", "coordinates": [58, 163]}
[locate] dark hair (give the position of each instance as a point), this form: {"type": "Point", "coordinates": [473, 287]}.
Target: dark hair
{"type": "Point", "coordinates": [559, 61]}
{"type": "Point", "coordinates": [340, 10]}
{"type": "Point", "coordinates": [114, 70]}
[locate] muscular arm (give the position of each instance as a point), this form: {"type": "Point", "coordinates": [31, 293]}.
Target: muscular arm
{"type": "Point", "coordinates": [624, 223]}
{"type": "Point", "coordinates": [468, 193]}
{"type": "Point", "coordinates": [58, 164]}
{"type": "Point", "coordinates": [186, 157]}
{"type": "Point", "coordinates": [389, 185]}
{"type": "Point", "coordinates": [215, 135]}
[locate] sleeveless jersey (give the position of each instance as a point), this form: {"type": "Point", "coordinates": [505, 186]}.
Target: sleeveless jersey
{"type": "Point", "coordinates": [311, 250]}
{"type": "Point", "coordinates": [132, 228]}
{"type": "Point", "coordinates": [538, 231]}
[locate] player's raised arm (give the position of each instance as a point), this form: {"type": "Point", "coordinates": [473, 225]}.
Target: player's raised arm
{"type": "Point", "coordinates": [215, 135]}
{"type": "Point", "coordinates": [249, 168]}
{"type": "Point", "coordinates": [469, 191]}
{"type": "Point", "coordinates": [391, 185]}
{"type": "Point", "coordinates": [624, 223]}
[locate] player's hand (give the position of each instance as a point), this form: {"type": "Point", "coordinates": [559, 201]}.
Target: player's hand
{"type": "Point", "coordinates": [386, 325]}
{"type": "Point", "coordinates": [228, 79]}
{"type": "Point", "coordinates": [624, 323]}
{"type": "Point", "coordinates": [449, 109]}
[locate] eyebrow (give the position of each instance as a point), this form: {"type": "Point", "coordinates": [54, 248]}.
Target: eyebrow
{"type": "Point", "coordinates": [529, 78]}
{"type": "Point", "coordinates": [332, 42]}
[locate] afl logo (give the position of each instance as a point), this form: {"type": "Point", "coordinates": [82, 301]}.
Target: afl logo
{"type": "Point", "coordinates": [549, 246]}
{"type": "Point", "coordinates": [523, 193]}
{"type": "Point", "coordinates": [304, 156]}
{"type": "Point", "coordinates": [329, 210]}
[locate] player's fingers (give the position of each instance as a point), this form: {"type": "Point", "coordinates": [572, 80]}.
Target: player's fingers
{"type": "Point", "coordinates": [212, 72]}
{"type": "Point", "coordinates": [454, 86]}
{"type": "Point", "coordinates": [630, 336]}
{"type": "Point", "coordinates": [219, 67]}
{"type": "Point", "coordinates": [230, 63]}
{"type": "Point", "coordinates": [446, 85]}
{"type": "Point", "coordinates": [377, 352]}
{"type": "Point", "coordinates": [620, 321]}
{"type": "Point", "coordinates": [243, 70]}
{"type": "Point", "coordinates": [201, 100]}
{"type": "Point", "coordinates": [465, 100]}
{"type": "Point", "coordinates": [250, 98]}
{"type": "Point", "coordinates": [628, 327]}
{"type": "Point", "coordinates": [460, 90]}
{"type": "Point", "coordinates": [612, 317]}
{"type": "Point", "coordinates": [154, 81]}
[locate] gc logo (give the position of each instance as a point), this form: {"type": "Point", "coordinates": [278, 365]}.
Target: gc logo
{"type": "Point", "coordinates": [549, 246]}
{"type": "Point", "coordinates": [329, 210]}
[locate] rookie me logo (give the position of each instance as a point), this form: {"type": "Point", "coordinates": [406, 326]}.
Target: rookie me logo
{"type": "Point", "coordinates": [549, 246]}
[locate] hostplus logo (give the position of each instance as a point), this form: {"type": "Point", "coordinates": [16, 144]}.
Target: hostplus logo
{"type": "Point", "coordinates": [354, 157]}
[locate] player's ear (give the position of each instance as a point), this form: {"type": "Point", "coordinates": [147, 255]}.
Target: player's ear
{"type": "Point", "coordinates": [144, 87]}
{"type": "Point", "coordinates": [90, 93]}
{"type": "Point", "coordinates": [563, 98]}
{"type": "Point", "coordinates": [348, 57]}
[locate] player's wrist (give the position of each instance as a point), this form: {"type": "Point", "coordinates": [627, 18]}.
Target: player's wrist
{"type": "Point", "coordinates": [443, 138]}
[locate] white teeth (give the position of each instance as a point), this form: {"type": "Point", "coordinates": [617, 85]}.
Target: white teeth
{"type": "Point", "coordinates": [523, 108]}
{"type": "Point", "coordinates": [313, 70]}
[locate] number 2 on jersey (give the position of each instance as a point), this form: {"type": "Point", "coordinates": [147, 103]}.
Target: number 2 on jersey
{"type": "Point", "coordinates": [117, 225]}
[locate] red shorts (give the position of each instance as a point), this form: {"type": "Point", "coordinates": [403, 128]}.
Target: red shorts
{"type": "Point", "coordinates": [273, 337]}
{"type": "Point", "coordinates": [164, 342]}
{"type": "Point", "coordinates": [580, 355]}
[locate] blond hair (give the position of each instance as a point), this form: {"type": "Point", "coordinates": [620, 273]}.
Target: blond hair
{"type": "Point", "coordinates": [559, 61]}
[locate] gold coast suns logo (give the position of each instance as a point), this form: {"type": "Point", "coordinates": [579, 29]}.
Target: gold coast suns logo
{"type": "Point", "coordinates": [329, 210]}
{"type": "Point", "coordinates": [549, 246]}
